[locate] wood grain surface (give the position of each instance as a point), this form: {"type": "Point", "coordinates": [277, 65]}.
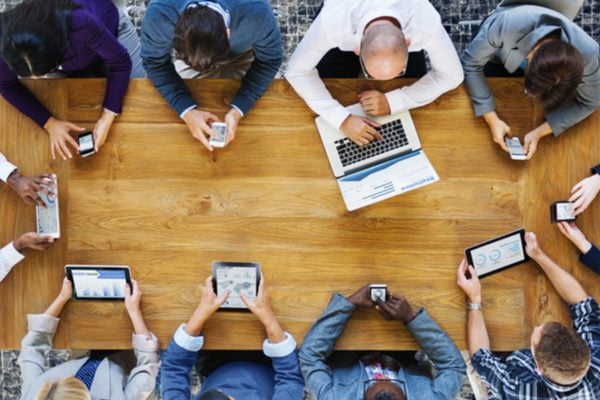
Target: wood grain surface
{"type": "Point", "coordinates": [154, 199]}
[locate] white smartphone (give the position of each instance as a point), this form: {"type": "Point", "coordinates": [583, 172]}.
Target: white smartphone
{"type": "Point", "coordinates": [515, 148]}
{"type": "Point", "coordinates": [48, 219]}
{"type": "Point", "coordinates": [378, 291]}
{"type": "Point", "coordinates": [220, 129]}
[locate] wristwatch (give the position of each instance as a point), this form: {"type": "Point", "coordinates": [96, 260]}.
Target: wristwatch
{"type": "Point", "coordinates": [474, 306]}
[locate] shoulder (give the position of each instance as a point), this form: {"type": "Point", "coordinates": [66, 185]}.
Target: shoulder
{"type": "Point", "coordinates": [82, 19]}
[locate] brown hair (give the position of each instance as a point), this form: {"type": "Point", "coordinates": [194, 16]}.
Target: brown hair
{"type": "Point", "coordinates": [200, 38]}
{"type": "Point", "coordinates": [69, 388]}
{"type": "Point", "coordinates": [553, 73]}
{"type": "Point", "coordinates": [562, 354]}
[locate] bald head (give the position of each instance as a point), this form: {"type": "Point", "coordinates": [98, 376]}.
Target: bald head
{"type": "Point", "coordinates": [384, 50]}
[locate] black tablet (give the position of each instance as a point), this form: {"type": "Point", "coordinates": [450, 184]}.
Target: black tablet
{"type": "Point", "coordinates": [98, 282]}
{"type": "Point", "coordinates": [240, 277]}
{"type": "Point", "coordinates": [497, 254]}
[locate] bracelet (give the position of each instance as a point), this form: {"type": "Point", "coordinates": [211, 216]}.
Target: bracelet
{"type": "Point", "coordinates": [474, 307]}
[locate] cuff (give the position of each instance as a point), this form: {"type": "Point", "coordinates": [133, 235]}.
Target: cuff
{"type": "Point", "coordinates": [190, 108]}
{"type": "Point", "coordinates": [596, 169]}
{"type": "Point", "coordinates": [10, 254]}
{"type": "Point", "coordinates": [583, 308]}
{"type": "Point", "coordinates": [395, 100]}
{"type": "Point", "coordinates": [147, 343]}
{"type": "Point", "coordinates": [6, 169]}
{"type": "Point", "coordinates": [557, 123]}
{"type": "Point", "coordinates": [280, 349]}
{"type": "Point", "coordinates": [42, 323]}
{"type": "Point", "coordinates": [111, 112]}
{"type": "Point", "coordinates": [186, 341]}
{"type": "Point", "coordinates": [479, 356]}
{"type": "Point", "coordinates": [484, 108]}
{"type": "Point", "coordinates": [338, 116]}
{"type": "Point", "coordinates": [238, 109]}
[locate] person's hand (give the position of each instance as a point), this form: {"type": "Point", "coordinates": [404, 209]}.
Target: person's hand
{"type": "Point", "coordinates": [261, 305]}
{"type": "Point", "coordinates": [209, 301]}
{"type": "Point", "coordinates": [199, 122]}
{"type": "Point", "coordinates": [27, 187]}
{"type": "Point", "coordinates": [574, 234]}
{"type": "Point", "coordinates": [59, 137]}
{"type": "Point", "coordinates": [532, 248]}
{"type": "Point", "coordinates": [32, 240]}
{"type": "Point", "coordinates": [498, 128]}
{"type": "Point", "coordinates": [66, 291]}
{"type": "Point", "coordinates": [360, 130]}
{"type": "Point", "coordinates": [374, 103]}
{"type": "Point", "coordinates": [232, 118]}
{"type": "Point", "coordinates": [133, 297]}
{"type": "Point", "coordinates": [584, 192]}
{"type": "Point", "coordinates": [530, 144]}
{"type": "Point", "coordinates": [362, 297]}
{"type": "Point", "coordinates": [468, 281]}
{"type": "Point", "coordinates": [396, 307]}
{"type": "Point", "coordinates": [102, 128]}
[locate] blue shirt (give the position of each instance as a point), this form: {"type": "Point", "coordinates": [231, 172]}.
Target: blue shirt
{"type": "Point", "coordinates": [518, 378]}
{"type": "Point", "coordinates": [253, 27]}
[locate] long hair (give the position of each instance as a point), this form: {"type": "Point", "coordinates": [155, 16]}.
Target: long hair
{"type": "Point", "coordinates": [69, 388]}
{"type": "Point", "coordinates": [35, 34]}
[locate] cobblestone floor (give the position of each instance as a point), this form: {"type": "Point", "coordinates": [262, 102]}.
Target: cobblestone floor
{"type": "Point", "coordinates": [294, 16]}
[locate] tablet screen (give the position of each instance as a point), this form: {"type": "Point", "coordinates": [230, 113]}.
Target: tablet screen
{"type": "Point", "coordinates": [239, 280]}
{"type": "Point", "coordinates": [498, 253]}
{"type": "Point", "coordinates": [99, 283]}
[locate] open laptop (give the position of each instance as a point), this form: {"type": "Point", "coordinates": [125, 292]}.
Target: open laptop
{"type": "Point", "coordinates": [381, 169]}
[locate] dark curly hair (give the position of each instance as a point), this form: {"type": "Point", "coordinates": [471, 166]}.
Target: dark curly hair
{"type": "Point", "coordinates": [34, 35]}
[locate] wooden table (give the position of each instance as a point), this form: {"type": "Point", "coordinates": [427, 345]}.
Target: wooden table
{"type": "Point", "coordinates": [153, 199]}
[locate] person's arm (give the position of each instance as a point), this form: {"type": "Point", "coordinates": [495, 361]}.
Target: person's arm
{"type": "Point", "coordinates": [280, 346]}
{"type": "Point", "coordinates": [6, 168]}
{"type": "Point", "coordinates": [9, 257]}
{"type": "Point", "coordinates": [565, 284]}
{"type": "Point", "coordinates": [318, 345]}
{"type": "Point", "coordinates": [591, 258]}
{"type": "Point", "coordinates": [142, 378]}
{"type": "Point", "coordinates": [20, 97]}
{"type": "Point", "coordinates": [267, 58]}
{"type": "Point", "coordinates": [38, 341]}
{"type": "Point", "coordinates": [13, 253]}
{"type": "Point", "coordinates": [585, 191]}
{"type": "Point", "coordinates": [302, 73]}
{"type": "Point", "coordinates": [182, 351]}
{"type": "Point", "coordinates": [446, 74]}
{"type": "Point", "coordinates": [156, 39]}
{"type": "Point", "coordinates": [586, 322]}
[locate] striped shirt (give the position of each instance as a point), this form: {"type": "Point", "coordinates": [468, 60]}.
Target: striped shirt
{"type": "Point", "coordinates": [517, 377]}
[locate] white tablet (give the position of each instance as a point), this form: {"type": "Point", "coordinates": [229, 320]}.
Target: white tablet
{"type": "Point", "coordinates": [48, 219]}
{"type": "Point", "coordinates": [497, 254]}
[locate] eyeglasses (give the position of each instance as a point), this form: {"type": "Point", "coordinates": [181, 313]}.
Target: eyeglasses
{"type": "Point", "coordinates": [370, 77]}
{"type": "Point", "coordinates": [369, 383]}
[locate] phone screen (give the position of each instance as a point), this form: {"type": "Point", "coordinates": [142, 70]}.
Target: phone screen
{"type": "Point", "coordinates": [86, 143]}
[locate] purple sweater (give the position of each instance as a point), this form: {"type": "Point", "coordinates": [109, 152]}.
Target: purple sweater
{"type": "Point", "coordinates": [92, 40]}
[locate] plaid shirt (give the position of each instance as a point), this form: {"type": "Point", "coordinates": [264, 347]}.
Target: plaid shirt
{"type": "Point", "coordinates": [518, 378]}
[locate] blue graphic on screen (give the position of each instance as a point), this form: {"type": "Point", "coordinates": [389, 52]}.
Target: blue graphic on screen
{"type": "Point", "coordinates": [100, 283]}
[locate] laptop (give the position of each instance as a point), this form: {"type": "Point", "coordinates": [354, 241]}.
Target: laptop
{"type": "Point", "coordinates": [383, 168]}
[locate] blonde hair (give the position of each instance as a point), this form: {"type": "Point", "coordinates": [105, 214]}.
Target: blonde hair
{"type": "Point", "coordinates": [69, 388]}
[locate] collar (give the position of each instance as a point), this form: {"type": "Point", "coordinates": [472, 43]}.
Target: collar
{"type": "Point", "coordinates": [213, 6]}
{"type": "Point", "coordinates": [527, 43]}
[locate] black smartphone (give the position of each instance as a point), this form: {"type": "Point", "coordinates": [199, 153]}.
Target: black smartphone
{"type": "Point", "coordinates": [87, 147]}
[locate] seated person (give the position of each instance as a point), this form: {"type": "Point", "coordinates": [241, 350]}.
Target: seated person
{"type": "Point", "coordinates": [375, 36]}
{"type": "Point", "coordinates": [76, 38]}
{"type": "Point", "coordinates": [562, 363]}
{"type": "Point", "coordinates": [561, 65]}
{"type": "Point", "coordinates": [378, 376]}
{"type": "Point", "coordinates": [26, 187]}
{"type": "Point", "coordinates": [211, 39]}
{"type": "Point", "coordinates": [93, 377]}
{"type": "Point", "coordinates": [237, 379]}
{"type": "Point", "coordinates": [582, 195]}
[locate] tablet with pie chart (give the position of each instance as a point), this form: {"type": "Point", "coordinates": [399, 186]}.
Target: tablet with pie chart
{"type": "Point", "coordinates": [497, 254]}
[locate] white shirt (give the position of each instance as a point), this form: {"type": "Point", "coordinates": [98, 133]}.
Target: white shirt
{"type": "Point", "coordinates": [6, 168]}
{"type": "Point", "coordinates": [9, 257]}
{"type": "Point", "coordinates": [341, 24]}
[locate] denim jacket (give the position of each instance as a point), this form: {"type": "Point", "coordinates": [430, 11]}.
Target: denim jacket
{"type": "Point", "coordinates": [346, 382]}
{"type": "Point", "coordinates": [252, 26]}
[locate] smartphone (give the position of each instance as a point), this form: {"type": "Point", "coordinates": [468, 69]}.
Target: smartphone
{"type": "Point", "coordinates": [220, 129]}
{"type": "Point", "coordinates": [378, 291]}
{"type": "Point", "coordinates": [87, 147]}
{"type": "Point", "coordinates": [562, 211]}
{"type": "Point", "coordinates": [515, 148]}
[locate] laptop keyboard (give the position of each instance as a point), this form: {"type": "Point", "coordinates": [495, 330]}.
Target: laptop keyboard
{"type": "Point", "coordinates": [393, 137]}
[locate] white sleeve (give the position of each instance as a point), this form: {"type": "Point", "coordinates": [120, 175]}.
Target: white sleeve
{"type": "Point", "coordinates": [302, 74]}
{"type": "Point", "coordinates": [9, 257]}
{"type": "Point", "coordinates": [281, 349]}
{"type": "Point", "coordinates": [446, 74]}
{"type": "Point", "coordinates": [6, 168]}
{"type": "Point", "coordinates": [186, 341]}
